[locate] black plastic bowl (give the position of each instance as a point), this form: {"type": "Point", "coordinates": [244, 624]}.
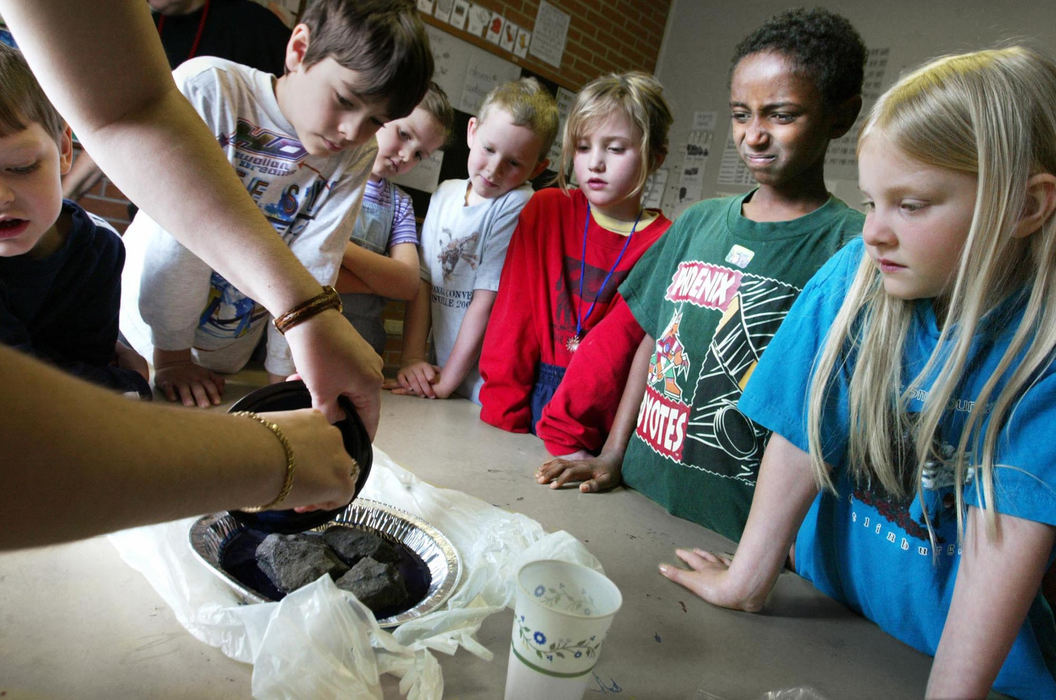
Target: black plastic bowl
{"type": "Point", "coordinates": [288, 396]}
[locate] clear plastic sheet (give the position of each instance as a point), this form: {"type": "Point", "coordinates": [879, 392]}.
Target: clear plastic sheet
{"type": "Point", "coordinates": [319, 641]}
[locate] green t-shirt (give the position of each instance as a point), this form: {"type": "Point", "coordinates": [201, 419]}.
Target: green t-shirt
{"type": "Point", "coordinates": [712, 292]}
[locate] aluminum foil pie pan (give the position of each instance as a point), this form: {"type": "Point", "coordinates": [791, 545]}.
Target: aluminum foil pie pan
{"type": "Point", "coordinates": [433, 565]}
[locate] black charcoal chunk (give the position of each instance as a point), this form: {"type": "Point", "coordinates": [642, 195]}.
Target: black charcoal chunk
{"type": "Point", "coordinates": [352, 545]}
{"type": "Point", "coordinates": [378, 585]}
{"type": "Point", "coordinates": [291, 561]}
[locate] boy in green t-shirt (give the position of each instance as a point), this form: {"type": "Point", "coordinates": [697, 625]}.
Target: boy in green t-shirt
{"type": "Point", "coordinates": [712, 292]}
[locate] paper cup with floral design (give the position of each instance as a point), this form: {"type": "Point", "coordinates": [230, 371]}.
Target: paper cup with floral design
{"type": "Point", "coordinates": [562, 613]}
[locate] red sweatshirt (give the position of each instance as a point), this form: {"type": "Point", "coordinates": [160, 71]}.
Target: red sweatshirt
{"type": "Point", "coordinates": [535, 314]}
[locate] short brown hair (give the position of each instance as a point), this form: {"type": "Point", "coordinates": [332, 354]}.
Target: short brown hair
{"type": "Point", "coordinates": [383, 40]}
{"type": "Point", "coordinates": [438, 106]}
{"type": "Point", "coordinates": [22, 101]}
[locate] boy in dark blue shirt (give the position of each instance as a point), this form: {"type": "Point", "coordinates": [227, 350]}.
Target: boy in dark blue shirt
{"type": "Point", "coordinates": [60, 267]}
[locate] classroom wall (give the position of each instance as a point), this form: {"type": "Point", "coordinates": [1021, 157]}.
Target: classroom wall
{"type": "Point", "coordinates": [614, 36]}
{"type": "Point", "coordinates": [701, 36]}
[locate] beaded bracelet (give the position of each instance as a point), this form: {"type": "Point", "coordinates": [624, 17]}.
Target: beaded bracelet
{"type": "Point", "coordinates": [291, 465]}
{"type": "Point", "coordinates": [327, 299]}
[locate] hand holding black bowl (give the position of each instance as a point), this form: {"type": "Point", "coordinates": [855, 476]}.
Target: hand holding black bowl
{"type": "Point", "coordinates": [288, 396]}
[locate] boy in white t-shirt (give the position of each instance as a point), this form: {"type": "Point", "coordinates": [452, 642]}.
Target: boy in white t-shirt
{"type": "Point", "coordinates": [303, 146]}
{"type": "Point", "coordinates": [464, 239]}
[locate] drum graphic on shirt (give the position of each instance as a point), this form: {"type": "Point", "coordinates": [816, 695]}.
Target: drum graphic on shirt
{"type": "Point", "coordinates": [748, 324]}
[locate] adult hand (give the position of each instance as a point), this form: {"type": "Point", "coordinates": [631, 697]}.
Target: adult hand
{"type": "Point", "coordinates": [190, 384]}
{"type": "Point", "coordinates": [325, 476]}
{"type": "Point", "coordinates": [334, 360]}
{"type": "Point", "coordinates": [595, 474]}
{"type": "Point", "coordinates": [709, 577]}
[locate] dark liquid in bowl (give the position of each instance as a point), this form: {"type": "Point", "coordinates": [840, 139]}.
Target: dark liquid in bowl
{"type": "Point", "coordinates": [238, 557]}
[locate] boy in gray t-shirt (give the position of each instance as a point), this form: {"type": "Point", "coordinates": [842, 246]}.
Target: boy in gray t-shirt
{"type": "Point", "coordinates": [464, 239]}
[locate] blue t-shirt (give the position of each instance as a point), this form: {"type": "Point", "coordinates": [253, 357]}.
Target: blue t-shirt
{"type": "Point", "coordinates": [873, 552]}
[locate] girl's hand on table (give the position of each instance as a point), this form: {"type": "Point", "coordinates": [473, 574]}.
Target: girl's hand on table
{"type": "Point", "coordinates": [709, 577]}
{"type": "Point", "coordinates": [595, 474]}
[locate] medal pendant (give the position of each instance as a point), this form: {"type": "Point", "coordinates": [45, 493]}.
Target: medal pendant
{"type": "Point", "coordinates": [572, 343]}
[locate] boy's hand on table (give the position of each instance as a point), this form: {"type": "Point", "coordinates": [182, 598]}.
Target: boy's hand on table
{"type": "Point", "coordinates": [709, 577]}
{"type": "Point", "coordinates": [333, 360]}
{"type": "Point", "coordinates": [595, 474]}
{"type": "Point", "coordinates": [416, 378]}
{"type": "Point", "coordinates": [190, 384]}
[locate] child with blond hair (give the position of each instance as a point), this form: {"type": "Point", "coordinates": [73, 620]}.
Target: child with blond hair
{"type": "Point", "coordinates": [572, 249]}
{"type": "Point", "coordinates": [911, 389]}
{"type": "Point", "coordinates": [464, 239]}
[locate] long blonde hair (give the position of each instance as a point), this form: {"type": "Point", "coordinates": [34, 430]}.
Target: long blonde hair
{"type": "Point", "coordinates": [988, 113]}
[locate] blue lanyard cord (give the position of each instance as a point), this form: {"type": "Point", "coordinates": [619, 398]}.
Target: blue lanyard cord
{"type": "Point", "coordinates": [580, 320]}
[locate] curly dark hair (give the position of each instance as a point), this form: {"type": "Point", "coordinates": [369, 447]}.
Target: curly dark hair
{"type": "Point", "coordinates": [822, 45]}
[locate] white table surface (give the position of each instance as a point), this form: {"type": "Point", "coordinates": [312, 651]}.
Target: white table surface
{"type": "Point", "coordinates": [76, 622]}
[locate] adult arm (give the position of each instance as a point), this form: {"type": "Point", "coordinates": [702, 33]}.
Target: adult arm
{"type": "Point", "coordinates": [604, 471]}
{"type": "Point", "coordinates": [124, 463]}
{"type": "Point", "coordinates": [394, 276]}
{"type": "Point", "coordinates": [783, 494]}
{"type": "Point", "coordinates": [997, 581]}
{"type": "Point", "coordinates": [128, 126]}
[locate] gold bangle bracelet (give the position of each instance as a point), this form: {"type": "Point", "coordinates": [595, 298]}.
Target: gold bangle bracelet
{"type": "Point", "coordinates": [327, 299]}
{"type": "Point", "coordinates": [291, 464]}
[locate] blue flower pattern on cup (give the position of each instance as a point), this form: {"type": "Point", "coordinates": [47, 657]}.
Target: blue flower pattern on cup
{"type": "Point", "coordinates": [559, 598]}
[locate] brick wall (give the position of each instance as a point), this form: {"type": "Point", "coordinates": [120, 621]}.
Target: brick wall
{"type": "Point", "coordinates": [615, 36]}
{"type": "Point", "coordinates": [105, 200]}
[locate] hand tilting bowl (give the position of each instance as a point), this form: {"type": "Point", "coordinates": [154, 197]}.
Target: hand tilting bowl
{"type": "Point", "coordinates": [288, 396]}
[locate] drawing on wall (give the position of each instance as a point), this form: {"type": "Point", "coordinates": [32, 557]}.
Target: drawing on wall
{"type": "Point", "coordinates": [494, 33]}
{"type": "Point", "coordinates": [524, 39]}
{"type": "Point", "coordinates": [509, 36]}
{"type": "Point", "coordinates": [478, 19]}
{"type": "Point", "coordinates": [459, 13]}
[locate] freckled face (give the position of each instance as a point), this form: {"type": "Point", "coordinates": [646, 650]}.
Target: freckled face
{"type": "Point", "coordinates": [918, 218]}
{"type": "Point", "coordinates": [323, 102]}
{"type": "Point", "coordinates": [607, 162]}
{"type": "Point", "coordinates": [780, 125]}
{"type": "Point", "coordinates": [502, 155]}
